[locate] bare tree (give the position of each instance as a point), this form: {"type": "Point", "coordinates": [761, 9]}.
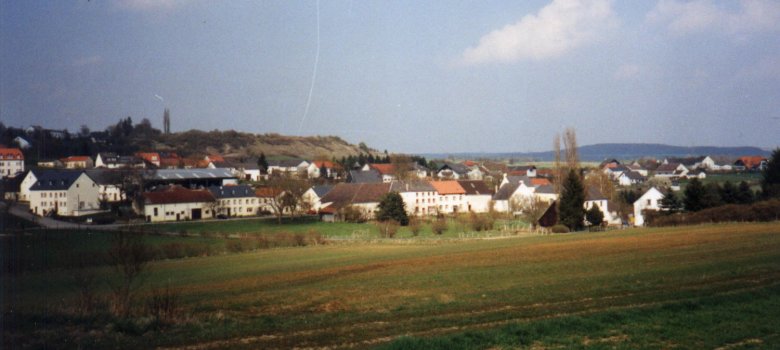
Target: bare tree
{"type": "Point", "coordinates": [402, 165]}
{"type": "Point", "coordinates": [557, 169]}
{"type": "Point", "coordinates": [570, 143]}
{"type": "Point", "coordinates": [288, 194]}
{"type": "Point", "coordinates": [129, 256]}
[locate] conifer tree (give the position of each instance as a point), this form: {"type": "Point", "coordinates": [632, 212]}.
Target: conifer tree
{"type": "Point", "coordinates": [770, 184]}
{"type": "Point", "coordinates": [570, 209]}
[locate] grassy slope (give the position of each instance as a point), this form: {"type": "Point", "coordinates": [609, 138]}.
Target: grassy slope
{"type": "Point", "coordinates": [596, 290]}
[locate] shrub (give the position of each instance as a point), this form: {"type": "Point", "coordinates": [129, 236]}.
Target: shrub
{"type": "Point", "coordinates": [415, 226]}
{"type": "Point", "coordinates": [559, 229]}
{"type": "Point", "coordinates": [299, 240]}
{"type": "Point", "coordinates": [388, 228]}
{"type": "Point", "coordinates": [438, 226]}
{"type": "Point", "coordinates": [173, 250]}
{"type": "Point", "coordinates": [759, 211]}
{"type": "Point", "coordinates": [316, 238]}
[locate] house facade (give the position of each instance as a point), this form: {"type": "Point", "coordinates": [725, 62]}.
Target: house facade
{"type": "Point", "coordinates": [650, 200]}
{"type": "Point", "coordinates": [420, 197]}
{"type": "Point", "coordinates": [234, 201]}
{"type": "Point", "coordinates": [451, 196]}
{"type": "Point", "coordinates": [77, 162]}
{"type": "Point", "coordinates": [177, 204]}
{"type": "Point", "coordinates": [65, 193]}
{"type": "Point", "coordinates": [11, 162]}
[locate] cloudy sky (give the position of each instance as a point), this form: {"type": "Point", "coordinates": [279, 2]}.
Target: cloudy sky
{"type": "Point", "coordinates": [444, 76]}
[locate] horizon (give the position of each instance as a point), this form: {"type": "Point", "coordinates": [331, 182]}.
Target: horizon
{"type": "Point", "coordinates": [413, 78]}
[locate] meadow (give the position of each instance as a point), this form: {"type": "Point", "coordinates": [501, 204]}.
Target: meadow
{"type": "Point", "coordinates": [702, 286]}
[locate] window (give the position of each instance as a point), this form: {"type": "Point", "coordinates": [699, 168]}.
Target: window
{"type": "Point", "coordinates": [648, 202]}
{"type": "Point", "coordinates": [155, 211]}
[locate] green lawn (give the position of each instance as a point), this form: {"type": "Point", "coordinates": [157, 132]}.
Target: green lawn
{"type": "Point", "coordinates": [687, 287]}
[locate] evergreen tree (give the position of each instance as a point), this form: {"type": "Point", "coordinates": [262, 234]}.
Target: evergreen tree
{"type": "Point", "coordinates": [711, 197]}
{"type": "Point", "coordinates": [728, 193]}
{"type": "Point", "coordinates": [570, 208]}
{"type": "Point", "coordinates": [670, 202]}
{"type": "Point", "coordinates": [744, 194]}
{"type": "Point", "coordinates": [770, 184]}
{"type": "Point", "coordinates": [324, 172]}
{"type": "Point", "coordinates": [392, 207]}
{"type": "Point", "coordinates": [262, 162]}
{"type": "Point", "coordinates": [594, 215]}
{"type": "Point", "coordinates": [694, 196]}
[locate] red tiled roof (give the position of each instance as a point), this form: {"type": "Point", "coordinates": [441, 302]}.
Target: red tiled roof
{"type": "Point", "coordinates": [215, 158]}
{"type": "Point", "coordinates": [11, 153]}
{"type": "Point", "coordinates": [149, 156]}
{"type": "Point", "coordinates": [267, 192]}
{"type": "Point", "coordinates": [178, 194]}
{"type": "Point", "coordinates": [448, 187]}
{"type": "Point", "coordinates": [326, 163]}
{"type": "Point", "coordinates": [751, 161]}
{"type": "Point", "coordinates": [384, 169]}
{"type": "Point", "coordinates": [470, 163]}
{"type": "Point", "coordinates": [539, 181]}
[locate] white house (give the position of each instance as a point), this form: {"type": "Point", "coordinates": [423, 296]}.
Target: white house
{"type": "Point", "coordinates": [287, 166]}
{"type": "Point", "coordinates": [114, 161]}
{"type": "Point", "coordinates": [109, 184]}
{"type": "Point", "coordinates": [313, 196]}
{"type": "Point", "coordinates": [66, 193]}
{"type": "Point", "coordinates": [451, 196]}
{"type": "Point", "coordinates": [315, 168]}
{"type": "Point", "coordinates": [648, 201]}
{"type": "Point", "coordinates": [11, 162]}
{"type": "Point", "coordinates": [177, 204]}
{"type": "Point", "coordinates": [630, 177]}
{"type": "Point", "coordinates": [478, 195]}
{"type": "Point", "coordinates": [29, 180]}
{"type": "Point", "coordinates": [362, 197]}
{"type": "Point", "coordinates": [233, 201]}
{"type": "Point", "coordinates": [419, 197]}
{"type": "Point", "coordinates": [595, 197]}
{"type": "Point", "coordinates": [671, 170]}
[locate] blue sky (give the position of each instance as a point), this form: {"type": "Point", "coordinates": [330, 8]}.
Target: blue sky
{"type": "Point", "coordinates": [444, 76]}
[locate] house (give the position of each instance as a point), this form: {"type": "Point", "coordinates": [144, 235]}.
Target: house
{"type": "Point", "coordinates": [517, 191]}
{"type": "Point", "coordinates": [114, 161]}
{"type": "Point", "coordinates": [267, 200]}
{"type": "Point", "coordinates": [170, 160]}
{"type": "Point", "coordinates": [11, 162]}
{"type": "Point", "coordinates": [77, 162]}
{"type": "Point", "coordinates": [693, 163]}
{"type": "Point", "coordinates": [109, 184]}
{"type": "Point", "coordinates": [313, 196]}
{"type": "Point", "coordinates": [609, 163]}
{"type": "Point", "coordinates": [698, 174]}
{"type": "Point", "coordinates": [636, 167]}
{"type": "Point", "coordinates": [316, 167]}
{"type": "Point", "coordinates": [478, 195]}
{"type": "Point", "coordinates": [151, 158]}
{"type": "Point", "coordinates": [29, 179]}
{"type": "Point", "coordinates": [550, 216]}
{"type": "Point", "coordinates": [176, 203]}
{"type": "Point", "coordinates": [671, 170]}
{"type": "Point", "coordinates": [614, 172]}
{"type": "Point", "coordinates": [419, 196]}
{"type": "Point", "coordinates": [294, 167]}
{"type": "Point", "coordinates": [360, 176]}
{"type": "Point", "coordinates": [650, 200]}
{"type": "Point", "coordinates": [50, 163]}
{"type": "Point", "coordinates": [65, 193]}
{"type": "Point", "coordinates": [594, 196]}
{"type": "Point", "coordinates": [522, 170]}
{"type": "Point", "coordinates": [21, 142]}
{"type": "Point", "coordinates": [751, 163]}
{"type": "Point", "coordinates": [250, 171]}
{"type": "Point", "coordinates": [364, 198]}
{"type": "Point", "coordinates": [450, 196]}
{"type": "Point", "coordinates": [630, 177]}
{"type": "Point", "coordinates": [214, 158]}
{"type": "Point", "coordinates": [453, 171]}
{"type": "Point", "coordinates": [234, 201]}
{"type": "Point", "coordinates": [387, 171]}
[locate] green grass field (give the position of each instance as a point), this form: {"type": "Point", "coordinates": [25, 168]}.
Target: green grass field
{"type": "Point", "coordinates": [686, 287]}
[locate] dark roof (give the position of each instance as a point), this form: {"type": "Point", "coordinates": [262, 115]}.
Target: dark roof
{"type": "Point", "coordinates": [455, 167]}
{"type": "Point", "coordinates": [322, 190]}
{"type": "Point", "coordinates": [344, 194]}
{"type": "Point", "coordinates": [14, 184]}
{"type": "Point", "coordinates": [547, 189]}
{"type": "Point", "coordinates": [633, 175]}
{"type": "Point", "coordinates": [105, 176]}
{"type": "Point", "coordinates": [475, 187]}
{"type": "Point", "coordinates": [522, 167]}
{"type": "Point", "coordinates": [177, 194]}
{"type": "Point", "coordinates": [411, 186]}
{"type": "Point", "coordinates": [505, 192]}
{"type": "Point", "coordinates": [238, 191]}
{"type": "Point", "coordinates": [515, 179]}
{"type": "Point", "coordinates": [187, 174]}
{"type": "Point", "coordinates": [370, 176]}
{"type": "Point", "coordinates": [688, 161]}
{"type": "Point", "coordinates": [594, 194]}
{"type": "Point", "coordinates": [670, 167]}
{"type": "Point", "coordinates": [55, 180]}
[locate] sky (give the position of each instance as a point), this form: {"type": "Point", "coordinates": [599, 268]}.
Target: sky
{"type": "Point", "coordinates": [406, 76]}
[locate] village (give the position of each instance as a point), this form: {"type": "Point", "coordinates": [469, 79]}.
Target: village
{"type": "Point", "coordinates": [164, 187]}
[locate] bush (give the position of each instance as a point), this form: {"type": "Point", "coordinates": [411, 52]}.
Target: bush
{"type": "Point", "coordinates": [415, 226]}
{"type": "Point", "coordinates": [316, 238]}
{"type": "Point", "coordinates": [172, 250]}
{"type": "Point", "coordinates": [759, 211]}
{"type": "Point", "coordinates": [438, 226]}
{"type": "Point", "coordinates": [559, 229]}
{"type": "Point", "coordinates": [388, 229]}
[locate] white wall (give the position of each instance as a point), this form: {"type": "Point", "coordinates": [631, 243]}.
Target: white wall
{"type": "Point", "coordinates": [167, 212]}
{"type": "Point", "coordinates": [648, 201]}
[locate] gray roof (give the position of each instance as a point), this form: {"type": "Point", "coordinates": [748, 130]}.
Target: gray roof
{"type": "Point", "coordinates": [239, 191]}
{"type": "Point", "coordinates": [633, 175]}
{"type": "Point", "coordinates": [104, 176]}
{"type": "Point", "coordinates": [411, 186]}
{"type": "Point", "coordinates": [594, 194]}
{"type": "Point", "coordinates": [369, 176]}
{"type": "Point", "coordinates": [184, 174]}
{"type": "Point", "coordinates": [547, 189]}
{"type": "Point", "coordinates": [455, 167]}
{"type": "Point", "coordinates": [505, 192]}
{"type": "Point", "coordinates": [322, 190]}
{"type": "Point", "coordinates": [55, 180]}
{"type": "Point", "coordinates": [515, 179]}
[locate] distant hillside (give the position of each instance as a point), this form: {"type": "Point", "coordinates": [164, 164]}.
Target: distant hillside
{"type": "Point", "coordinates": [599, 152]}
{"type": "Point", "coordinates": [233, 143]}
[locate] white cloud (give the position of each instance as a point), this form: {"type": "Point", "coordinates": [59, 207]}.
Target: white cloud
{"type": "Point", "coordinates": [556, 29]}
{"type": "Point", "coordinates": [688, 17]}
{"type": "Point", "coordinates": [88, 61]}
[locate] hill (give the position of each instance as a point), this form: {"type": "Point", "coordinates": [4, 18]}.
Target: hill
{"type": "Point", "coordinates": [601, 151]}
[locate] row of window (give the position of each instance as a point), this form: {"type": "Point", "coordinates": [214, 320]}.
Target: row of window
{"type": "Point", "coordinates": [240, 201]}
{"type": "Point", "coordinates": [52, 194]}
{"type": "Point", "coordinates": [52, 204]}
